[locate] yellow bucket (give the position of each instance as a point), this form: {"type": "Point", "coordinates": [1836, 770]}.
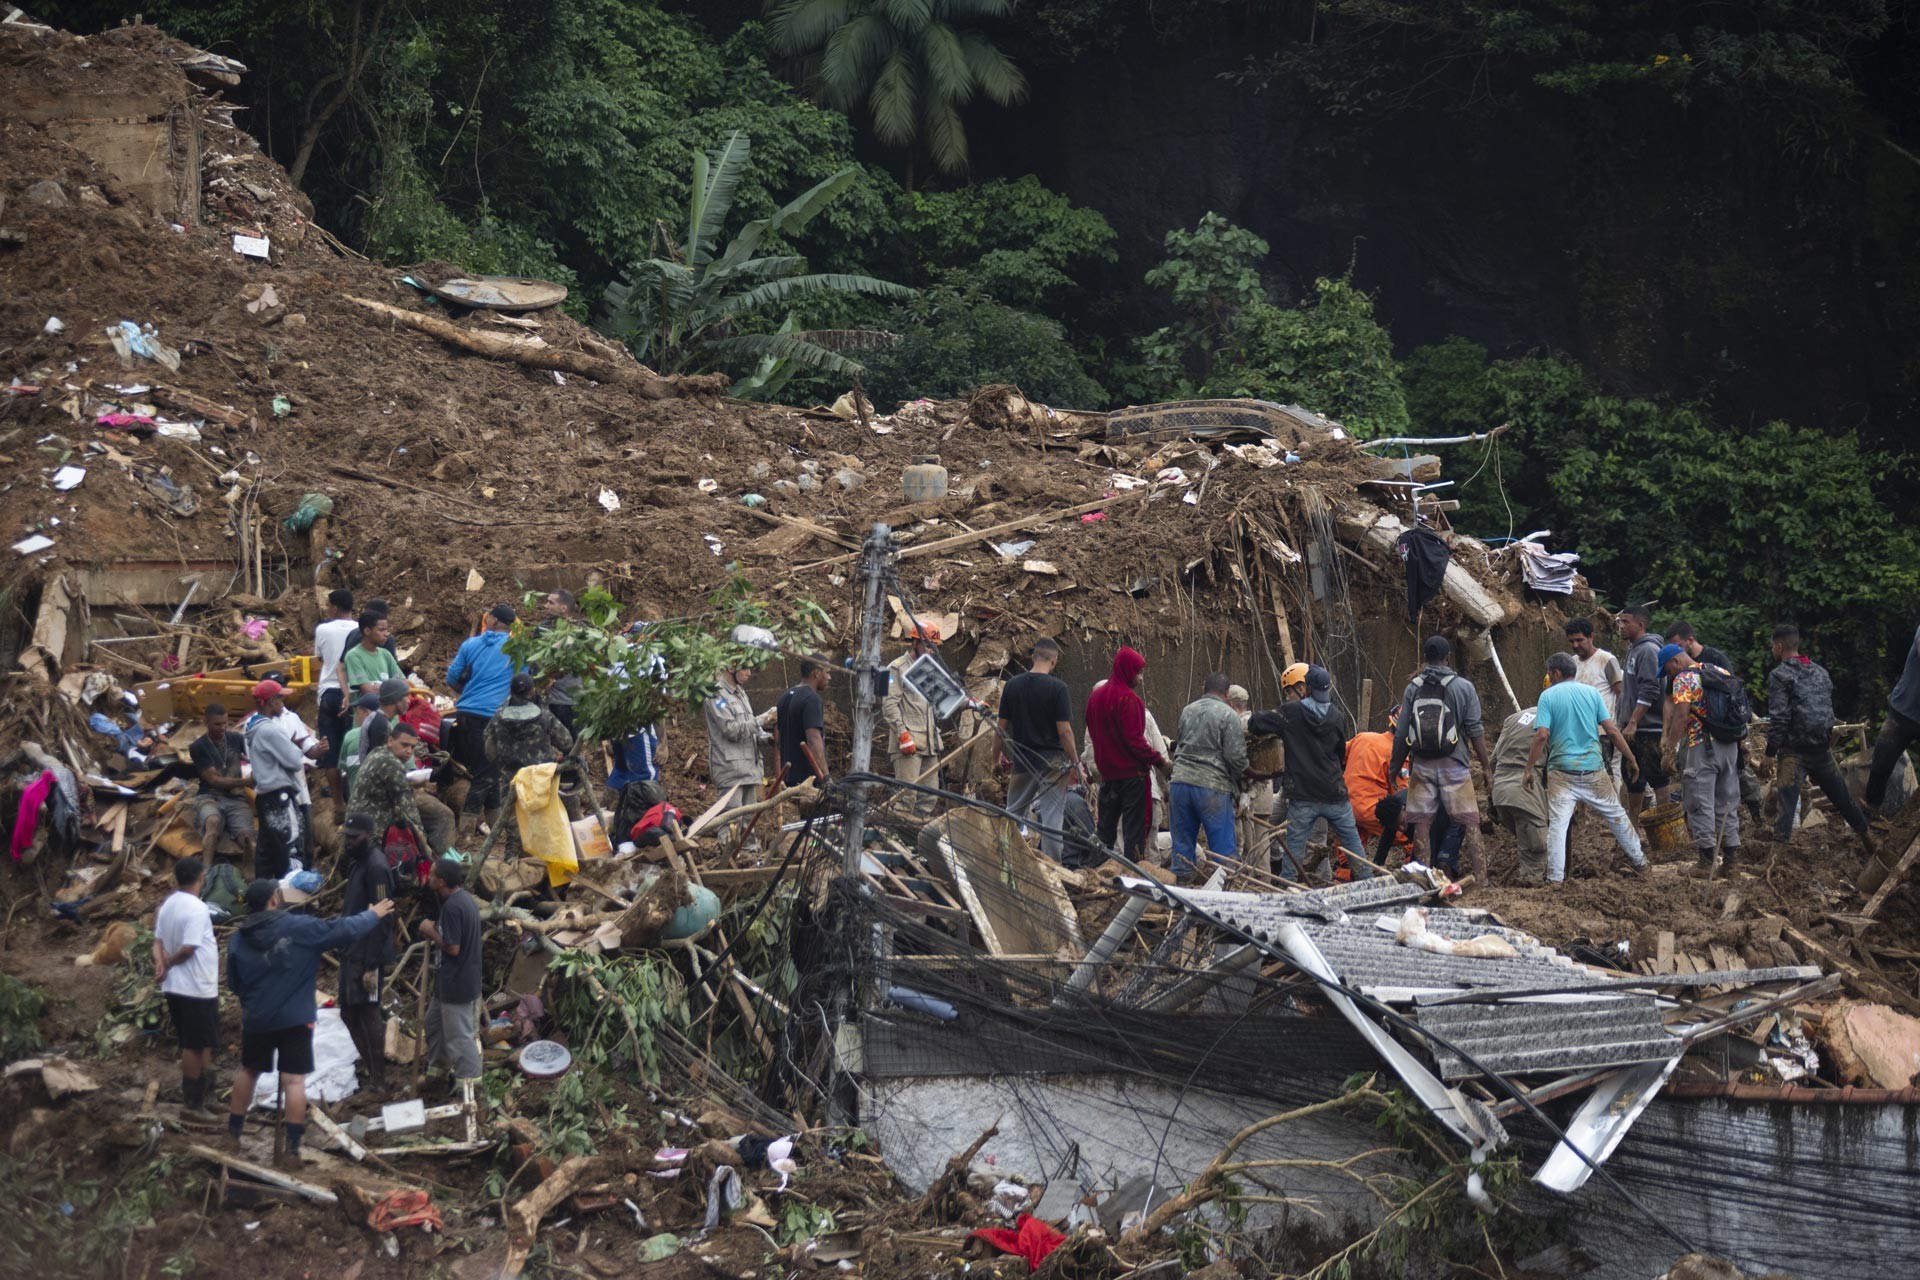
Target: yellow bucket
{"type": "Point", "coordinates": [1666, 827]}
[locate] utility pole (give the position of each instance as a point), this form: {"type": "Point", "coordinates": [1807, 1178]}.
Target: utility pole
{"type": "Point", "coordinates": [876, 566]}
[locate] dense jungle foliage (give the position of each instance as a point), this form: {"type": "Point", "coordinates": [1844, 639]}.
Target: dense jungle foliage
{"type": "Point", "coordinates": [937, 194]}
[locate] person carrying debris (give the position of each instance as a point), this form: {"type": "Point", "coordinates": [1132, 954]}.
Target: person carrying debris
{"type": "Point", "coordinates": [1901, 729]}
{"type": "Point", "coordinates": [456, 936]}
{"type": "Point", "coordinates": [186, 960]}
{"type": "Point", "coordinates": [800, 726]}
{"type": "Point", "coordinates": [1439, 722]}
{"type": "Point", "coordinates": [479, 676]}
{"type": "Point", "coordinates": [273, 961]}
{"type": "Point", "coordinates": [279, 787]}
{"type": "Point", "coordinates": [1207, 767]}
{"type": "Point", "coordinates": [1800, 726]}
{"type": "Point", "coordinates": [1036, 730]}
{"type": "Point", "coordinates": [1122, 741]}
{"type": "Point", "coordinates": [384, 792]}
{"type": "Point", "coordinates": [1707, 715]}
{"type": "Point", "coordinates": [913, 730]}
{"type": "Point", "coordinates": [1635, 712]}
{"type": "Point", "coordinates": [1314, 734]}
{"type": "Point", "coordinates": [735, 740]}
{"type": "Point", "coordinates": [364, 963]}
{"type": "Point", "coordinates": [221, 805]}
{"type": "Point", "coordinates": [1568, 724]}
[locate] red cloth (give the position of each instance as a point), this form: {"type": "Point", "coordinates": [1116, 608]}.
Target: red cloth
{"type": "Point", "coordinates": [28, 820]}
{"type": "Point", "coordinates": [1030, 1238]}
{"type": "Point", "coordinates": [1117, 722]}
{"type": "Point", "coordinates": [405, 1209]}
{"type": "Point", "coordinates": [425, 720]}
{"type": "Point", "coordinates": [651, 819]}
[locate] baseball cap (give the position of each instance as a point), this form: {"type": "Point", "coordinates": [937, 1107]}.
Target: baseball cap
{"type": "Point", "coordinates": [268, 689]}
{"type": "Point", "coordinates": [503, 613]}
{"type": "Point", "coordinates": [1238, 693]}
{"type": "Point", "coordinates": [1318, 677]}
{"type": "Point", "coordinates": [367, 702]}
{"type": "Point", "coordinates": [1668, 652]}
{"type": "Point", "coordinates": [521, 685]}
{"type": "Point", "coordinates": [260, 893]}
{"type": "Point", "coordinates": [361, 822]}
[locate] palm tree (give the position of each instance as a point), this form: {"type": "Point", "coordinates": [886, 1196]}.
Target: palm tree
{"type": "Point", "coordinates": [683, 310]}
{"type": "Point", "coordinates": [911, 61]}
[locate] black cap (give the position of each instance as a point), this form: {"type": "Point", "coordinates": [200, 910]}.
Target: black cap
{"type": "Point", "coordinates": [503, 613]}
{"type": "Point", "coordinates": [1318, 677]}
{"type": "Point", "coordinates": [261, 892]}
{"type": "Point", "coordinates": [360, 822]}
{"type": "Point", "coordinates": [367, 702]}
{"type": "Point", "coordinates": [521, 685]}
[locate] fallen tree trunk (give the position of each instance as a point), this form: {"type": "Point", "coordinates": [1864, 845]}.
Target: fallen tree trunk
{"type": "Point", "coordinates": [532, 351]}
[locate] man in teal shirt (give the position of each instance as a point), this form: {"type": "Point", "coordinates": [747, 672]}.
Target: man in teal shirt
{"type": "Point", "coordinates": [1568, 723]}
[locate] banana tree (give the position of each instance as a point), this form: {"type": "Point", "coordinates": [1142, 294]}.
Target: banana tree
{"type": "Point", "coordinates": [685, 309]}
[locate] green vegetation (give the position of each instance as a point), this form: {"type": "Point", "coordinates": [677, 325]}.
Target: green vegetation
{"type": "Point", "coordinates": [684, 310]}
{"type": "Point", "coordinates": [954, 340]}
{"type": "Point", "coordinates": [910, 63]}
{"type": "Point", "coordinates": [20, 1010]}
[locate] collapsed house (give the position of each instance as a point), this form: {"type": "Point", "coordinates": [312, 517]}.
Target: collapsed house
{"type": "Point", "coordinates": [218, 412]}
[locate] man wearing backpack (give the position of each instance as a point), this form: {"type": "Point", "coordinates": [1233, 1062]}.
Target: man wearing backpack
{"type": "Point", "coordinates": [1439, 720]}
{"type": "Point", "coordinates": [1707, 716]}
{"type": "Point", "coordinates": [1637, 711]}
{"type": "Point", "coordinates": [1800, 726]}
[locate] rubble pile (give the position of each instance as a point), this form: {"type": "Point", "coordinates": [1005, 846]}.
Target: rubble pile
{"type": "Point", "coordinates": [218, 387]}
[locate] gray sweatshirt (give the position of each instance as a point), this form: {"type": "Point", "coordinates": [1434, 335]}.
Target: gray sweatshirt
{"type": "Point", "coordinates": [276, 761]}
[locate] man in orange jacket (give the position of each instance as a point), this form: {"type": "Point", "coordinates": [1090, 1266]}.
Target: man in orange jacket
{"type": "Point", "coordinates": [1368, 756]}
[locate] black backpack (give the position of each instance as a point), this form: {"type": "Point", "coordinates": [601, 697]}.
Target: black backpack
{"type": "Point", "coordinates": [1432, 731]}
{"type": "Point", "coordinates": [1810, 718]}
{"type": "Point", "coordinates": [1728, 711]}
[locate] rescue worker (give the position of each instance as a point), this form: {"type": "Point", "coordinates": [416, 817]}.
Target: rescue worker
{"type": "Point", "coordinates": [913, 730]}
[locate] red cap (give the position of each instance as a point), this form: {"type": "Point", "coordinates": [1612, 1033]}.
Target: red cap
{"type": "Point", "coordinates": [268, 689]}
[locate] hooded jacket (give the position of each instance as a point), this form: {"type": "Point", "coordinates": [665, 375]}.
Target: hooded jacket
{"type": "Point", "coordinates": [274, 959]}
{"type": "Point", "coordinates": [735, 741]}
{"type": "Point", "coordinates": [1117, 722]}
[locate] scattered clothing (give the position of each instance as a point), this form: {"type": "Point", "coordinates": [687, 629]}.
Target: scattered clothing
{"type": "Point", "coordinates": [1028, 1238]}
{"type": "Point", "coordinates": [1547, 571]}
{"type": "Point", "coordinates": [26, 822]}
{"type": "Point", "coordinates": [1426, 554]}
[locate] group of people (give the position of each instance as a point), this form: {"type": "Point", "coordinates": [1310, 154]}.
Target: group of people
{"type": "Point", "coordinates": [272, 962]}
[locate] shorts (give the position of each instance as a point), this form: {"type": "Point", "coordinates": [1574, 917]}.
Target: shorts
{"type": "Point", "coordinates": [236, 815]}
{"type": "Point", "coordinates": [1646, 754]}
{"type": "Point", "coordinates": [196, 1020]}
{"type": "Point", "coordinates": [290, 1049]}
{"type": "Point", "coordinates": [1436, 784]}
{"type": "Point", "coordinates": [330, 722]}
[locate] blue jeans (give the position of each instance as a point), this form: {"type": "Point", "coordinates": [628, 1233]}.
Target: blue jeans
{"type": "Point", "coordinates": [1194, 808]}
{"type": "Point", "coordinates": [1302, 814]}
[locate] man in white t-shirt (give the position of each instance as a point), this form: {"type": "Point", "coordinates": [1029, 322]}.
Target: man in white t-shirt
{"type": "Point", "coordinates": [186, 958]}
{"type": "Point", "coordinates": [330, 641]}
{"type": "Point", "coordinates": [1599, 670]}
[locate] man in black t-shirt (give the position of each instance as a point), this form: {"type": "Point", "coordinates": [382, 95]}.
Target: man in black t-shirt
{"type": "Point", "coordinates": [456, 990]}
{"type": "Point", "coordinates": [1036, 723]}
{"type": "Point", "coordinates": [800, 726]}
{"type": "Point", "coordinates": [222, 803]}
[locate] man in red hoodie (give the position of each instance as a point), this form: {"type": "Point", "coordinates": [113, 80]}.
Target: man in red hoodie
{"type": "Point", "coordinates": [1117, 723]}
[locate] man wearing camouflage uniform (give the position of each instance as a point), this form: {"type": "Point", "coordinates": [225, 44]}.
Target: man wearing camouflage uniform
{"type": "Point", "coordinates": [523, 733]}
{"type": "Point", "coordinates": [382, 792]}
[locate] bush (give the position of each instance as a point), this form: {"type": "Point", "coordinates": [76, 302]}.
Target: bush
{"type": "Point", "coordinates": [1329, 356]}
{"type": "Point", "coordinates": [20, 1010]}
{"type": "Point", "coordinates": [953, 340]}
{"type": "Point", "coordinates": [1014, 240]}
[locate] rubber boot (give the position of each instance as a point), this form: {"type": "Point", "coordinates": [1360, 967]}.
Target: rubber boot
{"type": "Point", "coordinates": [1703, 862]}
{"type": "Point", "coordinates": [1729, 857]}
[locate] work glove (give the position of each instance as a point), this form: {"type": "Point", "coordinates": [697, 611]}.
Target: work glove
{"type": "Point", "coordinates": [908, 747]}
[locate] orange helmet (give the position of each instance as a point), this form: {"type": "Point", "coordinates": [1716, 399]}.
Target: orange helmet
{"type": "Point", "coordinates": [1293, 675]}
{"type": "Point", "coordinates": [927, 632]}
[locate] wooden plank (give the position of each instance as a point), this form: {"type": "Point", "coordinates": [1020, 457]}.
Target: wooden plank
{"type": "Point", "coordinates": [1011, 891]}
{"type": "Point", "coordinates": [1855, 978]}
{"type": "Point", "coordinates": [1663, 952]}
{"type": "Point", "coordinates": [1724, 958]}
{"type": "Point", "coordinates": [793, 522]}
{"type": "Point", "coordinates": [1893, 881]}
{"type": "Point", "coordinates": [1366, 705]}
{"type": "Point", "coordinates": [260, 1172]}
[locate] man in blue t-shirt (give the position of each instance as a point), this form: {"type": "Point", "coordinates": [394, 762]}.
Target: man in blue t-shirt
{"type": "Point", "coordinates": [1567, 728]}
{"type": "Point", "coordinates": [479, 676]}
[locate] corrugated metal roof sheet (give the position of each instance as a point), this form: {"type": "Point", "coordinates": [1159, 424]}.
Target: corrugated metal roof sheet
{"type": "Point", "coordinates": [1566, 1034]}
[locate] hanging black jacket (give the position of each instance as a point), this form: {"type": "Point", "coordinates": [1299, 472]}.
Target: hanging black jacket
{"type": "Point", "coordinates": [1426, 554]}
